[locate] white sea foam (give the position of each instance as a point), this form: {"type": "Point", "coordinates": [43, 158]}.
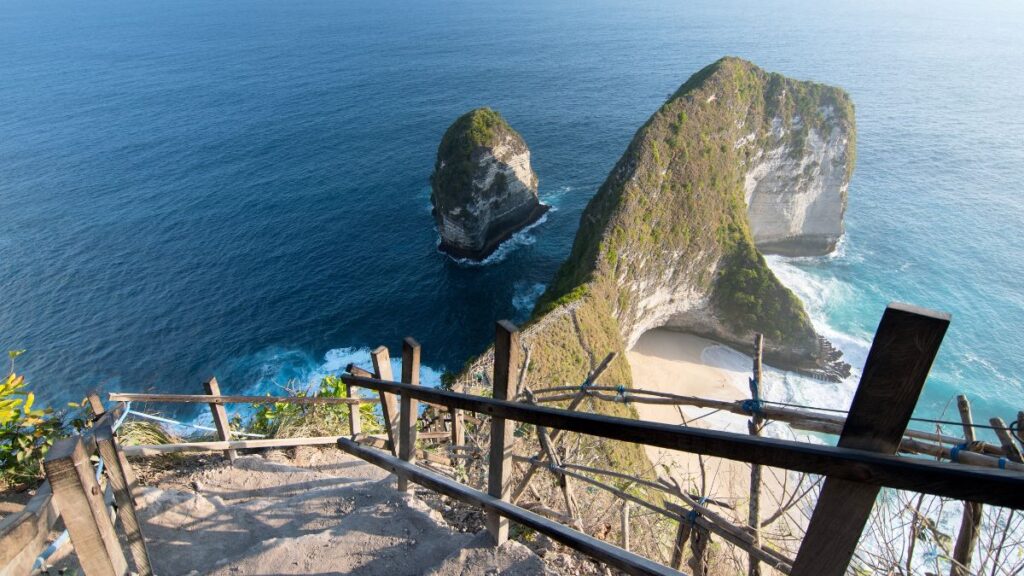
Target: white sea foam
{"type": "Point", "coordinates": [525, 295]}
{"type": "Point", "coordinates": [520, 238]}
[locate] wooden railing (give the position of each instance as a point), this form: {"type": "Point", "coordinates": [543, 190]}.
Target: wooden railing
{"type": "Point", "coordinates": [865, 460]}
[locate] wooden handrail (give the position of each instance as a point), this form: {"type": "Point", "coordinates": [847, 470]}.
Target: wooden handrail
{"type": "Point", "coordinates": [205, 399]}
{"type": "Point", "coordinates": [962, 482]}
{"type": "Point", "coordinates": [608, 553]}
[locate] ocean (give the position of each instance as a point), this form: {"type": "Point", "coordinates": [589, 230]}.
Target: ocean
{"type": "Point", "coordinates": [240, 189]}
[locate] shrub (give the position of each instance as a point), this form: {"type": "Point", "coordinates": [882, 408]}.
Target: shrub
{"type": "Point", "coordinates": [287, 420]}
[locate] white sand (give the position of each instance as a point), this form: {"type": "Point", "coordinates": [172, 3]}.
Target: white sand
{"type": "Point", "coordinates": [669, 361]}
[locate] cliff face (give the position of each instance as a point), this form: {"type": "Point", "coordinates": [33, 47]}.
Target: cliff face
{"type": "Point", "coordinates": [795, 187]}
{"type": "Point", "coordinates": [483, 188]}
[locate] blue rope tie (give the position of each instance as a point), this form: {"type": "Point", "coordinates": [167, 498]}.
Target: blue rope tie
{"type": "Point", "coordinates": [622, 393]}
{"type": "Point", "coordinates": [752, 406]}
{"type": "Point", "coordinates": [692, 517]}
{"type": "Point", "coordinates": [1002, 463]}
{"type": "Point", "coordinates": [954, 452]}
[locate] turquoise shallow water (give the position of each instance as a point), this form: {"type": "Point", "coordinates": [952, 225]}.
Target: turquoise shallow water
{"type": "Point", "coordinates": [240, 188]}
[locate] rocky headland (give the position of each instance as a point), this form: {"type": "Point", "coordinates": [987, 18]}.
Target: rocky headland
{"type": "Point", "coordinates": [483, 187]}
{"type": "Point", "coordinates": [736, 161]}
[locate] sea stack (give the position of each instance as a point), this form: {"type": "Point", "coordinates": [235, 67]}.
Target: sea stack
{"type": "Point", "coordinates": [483, 187]}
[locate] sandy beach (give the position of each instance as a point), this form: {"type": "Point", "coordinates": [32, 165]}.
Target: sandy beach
{"type": "Point", "coordinates": [675, 362]}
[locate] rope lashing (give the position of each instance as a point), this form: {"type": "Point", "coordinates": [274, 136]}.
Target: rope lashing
{"type": "Point", "coordinates": [1002, 462]}
{"type": "Point", "coordinates": [754, 405]}
{"type": "Point", "coordinates": [954, 452]}
{"type": "Point", "coordinates": [621, 391]}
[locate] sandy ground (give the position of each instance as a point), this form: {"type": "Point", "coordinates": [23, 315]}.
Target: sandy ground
{"type": "Point", "coordinates": [669, 361]}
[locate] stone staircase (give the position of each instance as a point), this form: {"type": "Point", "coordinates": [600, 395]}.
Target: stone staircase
{"type": "Point", "coordinates": [341, 516]}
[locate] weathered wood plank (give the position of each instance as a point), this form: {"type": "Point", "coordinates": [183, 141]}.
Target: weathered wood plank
{"type": "Point", "coordinates": [120, 484]}
{"type": "Point", "coordinates": [901, 355]}
{"type": "Point", "coordinates": [204, 399]}
{"type": "Point", "coordinates": [23, 534]}
{"type": "Point", "coordinates": [355, 417]}
{"type": "Point", "coordinates": [410, 408]}
{"type": "Point", "coordinates": [997, 487]}
{"type": "Point", "coordinates": [220, 417]}
{"type": "Point", "coordinates": [607, 553]}
{"type": "Point", "coordinates": [499, 472]}
{"type": "Point", "coordinates": [80, 500]}
{"type": "Point", "coordinates": [967, 537]}
{"type": "Point", "coordinates": [388, 403]}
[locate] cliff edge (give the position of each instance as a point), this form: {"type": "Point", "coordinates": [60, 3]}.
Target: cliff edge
{"type": "Point", "coordinates": [483, 188]}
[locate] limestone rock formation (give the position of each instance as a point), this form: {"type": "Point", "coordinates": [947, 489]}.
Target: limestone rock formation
{"type": "Point", "coordinates": [669, 240]}
{"type": "Point", "coordinates": [796, 183]}
{"type": "Point", "coordinates": [483, 188]}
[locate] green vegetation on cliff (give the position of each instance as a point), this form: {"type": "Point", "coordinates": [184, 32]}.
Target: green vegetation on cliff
{"type": "Point", "coordinates": [672, 212]}
{"type": "Point", "coordinates": [453, 169]}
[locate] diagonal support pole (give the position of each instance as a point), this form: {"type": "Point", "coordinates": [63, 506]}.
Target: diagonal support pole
{"type": "Point", "coordinates": [901, 355]}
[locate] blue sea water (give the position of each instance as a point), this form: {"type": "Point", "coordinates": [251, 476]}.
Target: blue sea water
{"type": "Point", "coordinates": [235, 188]}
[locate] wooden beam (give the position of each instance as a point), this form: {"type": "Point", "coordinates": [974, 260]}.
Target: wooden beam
{"type": "Point", "coordinates": [355, 416]}
{"type": "Point", "coordinates": [388, 403]}
{"type": "Point", "coordinates": [679, 544]}
{"type": "Point", "coordinates": [85, 515]}
{"type": "Point", "coordinates": [997, 487]}
{"type": "Point", "coordinates": [901, 355]}
{"type": "Point", "coordinates": [754, 426]}
{"type": "Point", "coordinates": [612, 555]}
{"type": "Point", "coordinates": [499, 472]}
{"type": "Point", "coordinates": [120, 483]}
{"type": "Point", "coordinates": [967, 537]}
{"type": "Point", "coordinates": [158, 449]}
{"type": "Point", "coordinates": [410, 408]}
{"type": "Point", "coordinates": [95, 404]}
{"type": "Point", "coordinates": [204, 399]}
{"type": "Point", "coordinates": [220, 417]}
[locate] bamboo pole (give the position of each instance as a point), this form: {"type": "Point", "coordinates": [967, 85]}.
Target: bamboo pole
{"type": "Point", "coordinates": [625, 525]}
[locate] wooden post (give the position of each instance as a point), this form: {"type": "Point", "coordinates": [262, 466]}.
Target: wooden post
{"type": "Point", "coordinates": [506, 361]}
{"type": "Point", "coordinates": [898, 363]}
{"type": "Point", "coordinates": [1012, 451]}
{"type": "Point", "coordinates": [80, 501]}
{"type": "Point", "coordinates": [118, 477]}
{"type": "Point", "coordinates": [967, 538]}
{"type": "Point", "coordinates": [458, 427]}
{"type": "Point", "coordinates": [95, 404]}
{"type": "Point", "coordinates": [754, 425]}
{"type": "Point", "coordinates": [410, 408]}
{"type": "Point", "coordinates": [220, 417]}
{"type": "Point", "coordinates": [355, 417]}
{"type": "Point", "coordinates": [388, 403]}
{"type": "Point", "coordinates": [679, 546]}
{"type": "Point", "coordinates": [699, 540]}
{"type": "Point", "coordinates": [625, 525]}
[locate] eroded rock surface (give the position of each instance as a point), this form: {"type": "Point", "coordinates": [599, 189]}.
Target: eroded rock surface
{"type": "Point", "coordinates": [483, 187]}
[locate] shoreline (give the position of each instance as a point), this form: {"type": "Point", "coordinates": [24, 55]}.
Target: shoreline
{"type": "Point", "coordinates": [677, 362]}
